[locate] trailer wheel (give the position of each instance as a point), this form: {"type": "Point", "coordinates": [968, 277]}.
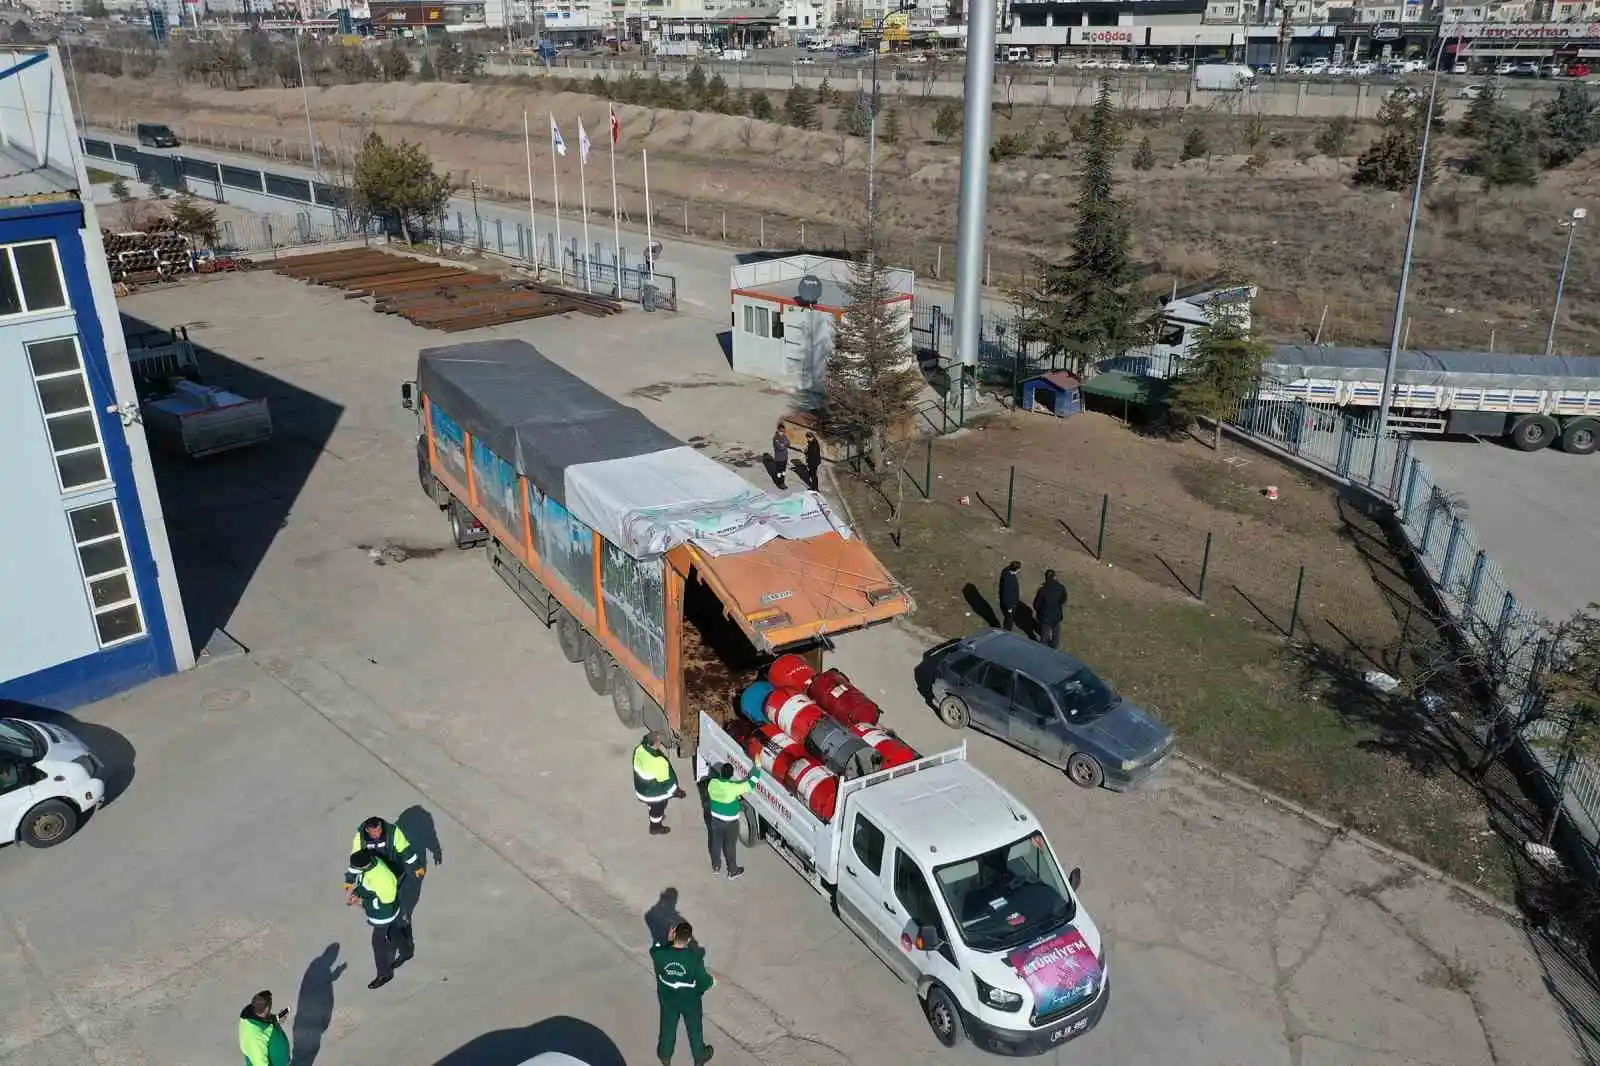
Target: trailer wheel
{"type": "Point", "coordinates": [943, 1016]}
{"type": "Point", "coordinates": [627, 698]}
{"type": "Point", "coordinates": [570, 635]}
{"type": "Point", "coordinates": [597, 667]}
{"type": "Point", "coordinates": [1581, 436]}
{"type": "Point", "coordinates": [1533, 432]}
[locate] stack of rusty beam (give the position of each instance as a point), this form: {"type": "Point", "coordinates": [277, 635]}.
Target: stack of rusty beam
{"type": "Point", "coordinates": [438, 295]}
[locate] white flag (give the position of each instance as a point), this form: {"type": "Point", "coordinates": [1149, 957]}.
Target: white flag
{"type": "Point", "coordinates": [583, 143]}
{"type": "Point", "coordinates": [555, 137]}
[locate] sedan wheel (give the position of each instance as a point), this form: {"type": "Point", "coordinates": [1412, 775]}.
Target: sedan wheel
{"type": "Point", "coordinates": [1085, 772]}
{"type": "Point", "coordinates": [49, 824]}
{"type": "Point", "coordinates": [953, 712]}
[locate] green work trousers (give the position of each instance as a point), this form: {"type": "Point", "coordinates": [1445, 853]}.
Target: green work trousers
{"type": "Point", "coordinates": [687, 1008]}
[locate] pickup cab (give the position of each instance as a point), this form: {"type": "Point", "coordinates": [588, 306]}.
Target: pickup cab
{"type": "Point", "coordinates": [49, 780]}
{"type": "Point", "coordinates": [950, 881]}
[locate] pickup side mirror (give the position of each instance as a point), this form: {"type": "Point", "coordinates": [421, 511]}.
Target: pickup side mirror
{"type": "Point", "coordinates": [1075, 878]}
{"type": "Point", "coordinates": [928, 938]}
{"type": "Point", "coordinates": [408, 394]}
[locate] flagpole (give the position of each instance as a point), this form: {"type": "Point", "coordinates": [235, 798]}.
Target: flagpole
{"type": "Point", "coordinates": [583, 195]}
{"type": "Point", "coordinates": [533, 219]}
{"type": "Point", "coordinates": [649, 238]}
{"type": "Point", "coordinates": [555, 189]}
{"type": "Point", "coordinates": [612, 132]}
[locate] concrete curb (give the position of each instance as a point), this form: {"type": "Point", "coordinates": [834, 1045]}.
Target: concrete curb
{"type": "Point", "coordinates": [1428, 870]}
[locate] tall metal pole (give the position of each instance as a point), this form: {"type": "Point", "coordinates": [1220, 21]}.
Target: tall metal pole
{"type": "Point", "coordinates": [1561, 282]}
{"type": "Point", "coordinates": [1405, 272]}
{"type": "Point", "coordinates": [305, 96]}
{"type": "Point", "coordinates": [974, 181]}
{"type": "Point", "coordinates": [872, 146]}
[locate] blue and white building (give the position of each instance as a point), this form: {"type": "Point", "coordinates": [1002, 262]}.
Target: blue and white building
{"type": "Point", "coordinates": [89, 601]}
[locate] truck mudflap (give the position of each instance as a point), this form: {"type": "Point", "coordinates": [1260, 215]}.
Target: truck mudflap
{"type": "Point", "coordinates": [1022, 1043]}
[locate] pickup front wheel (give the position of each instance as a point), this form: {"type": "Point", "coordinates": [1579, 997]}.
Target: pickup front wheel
{"type": "Point", "coordinates": [953, 712]}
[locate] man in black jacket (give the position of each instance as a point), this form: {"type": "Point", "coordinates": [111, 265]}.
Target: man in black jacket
{"type": "Point", "coordinates": [1010, 595]}
{"type": "Point", "coordinates": [1049, 606]}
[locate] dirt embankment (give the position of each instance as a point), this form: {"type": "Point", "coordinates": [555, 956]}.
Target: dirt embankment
{"type": "Point", "coordinates": [1325, 254]}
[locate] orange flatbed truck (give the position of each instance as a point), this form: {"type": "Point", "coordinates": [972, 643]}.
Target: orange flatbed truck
{"type": "Point", "coordinates": [671, 579]}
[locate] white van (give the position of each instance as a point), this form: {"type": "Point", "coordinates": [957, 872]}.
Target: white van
{"type": "Point", "coordinates": [1018, 54]}
{"type": "Point", "coordinates": [49, 780]}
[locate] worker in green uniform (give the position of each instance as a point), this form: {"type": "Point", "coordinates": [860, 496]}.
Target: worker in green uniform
{"type": "Point", "coordinates": [377, 890]}
{"type": "Point", "coordinates": [390, 844]}
{"type": "Point", "coordinates": [261, 1038]}
{"type": "Point", "coordinates": [654, 781]}
{"type": "Point", "coordinates": [725, 798]}
{"type": "Point", "coordinates": [681, 979]}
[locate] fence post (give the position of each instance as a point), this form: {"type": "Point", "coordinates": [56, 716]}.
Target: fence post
{"type": "Point", "coordinates": [1413, 476]}
{"type": "Point", "coordinates": [1469, 609]}
{"type": "Point", "coordinates": [724, 227]}
{"type": "Point", "coordinates": [1450, 553]}
{"type": "Point", "coordinates": [1011, 493]}
{"type": "Point", "coordinates": [686, 218]}
{"type": "Point", "coordinates": [1100, 541]}
{"type": "Point", "coordinates": [938, 260]}
{"type": "Point", "coordinates": [927, 474]}
{"type": "Point", "coordinates": [499, 237]}
{"type": "Point", "coordinates": [1205, 566]}
{"type": "Point", "coordinates": [1427, 525]}
{"type": "Point", "coordinates": [802, 236]}
{"type": "Point", "coordinates": [761, 233]}
{"type": "Point", "coordinates": [1294, 612]}
{"type": "Point", "coordinates": [1508, 608]}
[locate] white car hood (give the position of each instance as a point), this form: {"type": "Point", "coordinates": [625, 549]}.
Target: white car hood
{"type": "Point", "coordinates": [1056, 972]}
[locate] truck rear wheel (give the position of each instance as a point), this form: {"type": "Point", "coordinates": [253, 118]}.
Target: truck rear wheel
{"type": "Point", "coordinates": [1533, 432]}
{"type": "Point", "coordinates": [627, 698]}
{"type": "Point", "coordinates": [1581, 436]}
{"type": "Point", "coordinates": [48, 824]}
{"type": "Point", "coordinates": [944, 1018]}
{"type": "Point", "coordinates": [597, 667]}
{"type": "Point", "coordinates": [570, 635]}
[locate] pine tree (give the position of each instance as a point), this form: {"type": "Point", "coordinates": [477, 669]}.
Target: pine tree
{"type": "Point", "coordinates": [398, 181]}
{"type": "Point", "coordinates": [872, 380]}
{"type": "Point", "coordinates": [1195, 145]}
{"type": "Point", "coordinates": [760, 106]}
{"type": "Point", "coordinates": [1390, 162]}
{"type": "Point", "coordinates": [826, 96]}
{"type": "Point", "coordinates": [891, 127]}
{"type": "Point", "coordinates": [696, 82]}
{"type": "Point", "coordinates": [196, 221]}
{"type": "Point", "coordinates": [1480, 111]}
{"type": "Point", "coordinates": [1507, 150]}
{"type": "Point", "coordinates": [1223, 369]}
{"type": "Point", "coordinates": [1082, 310]}
{"type": "Point", "coordinates": [947, 123]}
{"type": "Point", "coordinates": [1570, 125]}
{"type": "Point", "coordinates": [798, 109]}
{"type": "Point", "coordinates": [1332, 139]}
{"type": "Point", "coordinates": [1144, 157]}
{"type": "Point", "coordinates": [425, 71]}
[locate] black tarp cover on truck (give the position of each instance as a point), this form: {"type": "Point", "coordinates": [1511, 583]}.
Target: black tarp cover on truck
{"type": "Point", "coordinates": [532, 413]}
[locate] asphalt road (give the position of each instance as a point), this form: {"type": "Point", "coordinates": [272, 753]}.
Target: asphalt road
{"type": "Point", "coordinates": [1240, 935]}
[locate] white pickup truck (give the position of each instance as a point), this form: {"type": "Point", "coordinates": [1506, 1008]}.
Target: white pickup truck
{"type": "Point", "coordinates": [950, 880]}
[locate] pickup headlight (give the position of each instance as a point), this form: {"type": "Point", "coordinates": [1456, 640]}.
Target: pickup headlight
{"type": "Point", "coordinates": [998, 998]}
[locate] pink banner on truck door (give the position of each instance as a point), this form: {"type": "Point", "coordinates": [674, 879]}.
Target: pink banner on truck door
{"type": "Point", "coordinates": [1059, 969]}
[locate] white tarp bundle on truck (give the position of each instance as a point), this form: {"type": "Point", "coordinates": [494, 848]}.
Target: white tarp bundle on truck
{"type": "Point", "coordinates": [648, 504]}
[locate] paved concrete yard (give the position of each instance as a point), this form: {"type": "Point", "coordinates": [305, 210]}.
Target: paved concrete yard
{"type": "Point", "coordinates": [1239, 935]}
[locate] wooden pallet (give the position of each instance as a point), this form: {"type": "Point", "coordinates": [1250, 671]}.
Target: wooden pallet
{"type": "Point", "coordinates": [438, 295]}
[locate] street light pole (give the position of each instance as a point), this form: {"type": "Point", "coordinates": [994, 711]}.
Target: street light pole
{"type": "Point", "coordinates": [305, 96]}
{"type": "Point", "coordinates": [1405, 273]}
{"type": "Point", "coordinates": [1578, 215]}
{"type": "Point", "coordinates": [970, 228]}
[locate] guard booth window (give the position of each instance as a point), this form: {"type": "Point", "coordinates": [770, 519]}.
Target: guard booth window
{"type": "Point", "coordinates": [756, 321]}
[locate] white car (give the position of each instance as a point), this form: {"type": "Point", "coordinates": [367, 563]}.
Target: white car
{"type": "Point", "coordinates": [49, 780]}
{"type": "Point", "coordinates": [806, 61]}
{"type": "Point", "coordinates": [1472, 92]}
{"type": "Point", "coordinates": [1145, 64]}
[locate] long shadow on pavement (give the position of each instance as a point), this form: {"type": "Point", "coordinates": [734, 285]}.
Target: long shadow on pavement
{"type": "Point", "coordinates": [224, 511]}
{"type": "Point", "coordinates": [314, 1008]}
{"type": "Point", "coordinates": [563, 1034]}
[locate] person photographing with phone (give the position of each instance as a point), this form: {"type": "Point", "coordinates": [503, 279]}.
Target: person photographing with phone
{"type": "Point", "coordinates": [261, 1037]}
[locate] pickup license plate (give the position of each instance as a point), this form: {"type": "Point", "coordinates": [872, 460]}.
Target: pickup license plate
{"type": "Point", "coordinates": [1072, 1029]}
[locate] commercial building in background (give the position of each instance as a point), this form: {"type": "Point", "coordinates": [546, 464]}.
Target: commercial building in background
{"type": "Point", "coordinates": [89, 600]}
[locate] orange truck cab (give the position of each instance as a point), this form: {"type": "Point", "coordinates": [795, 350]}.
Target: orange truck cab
{"type": "Point", "coordinates": [670, 578]}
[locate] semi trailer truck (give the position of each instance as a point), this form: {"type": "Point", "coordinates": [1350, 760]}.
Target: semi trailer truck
{"type": "Point", "coordinates": [669, 577]}
{"type": "Point", "coordinates": [951, 882]}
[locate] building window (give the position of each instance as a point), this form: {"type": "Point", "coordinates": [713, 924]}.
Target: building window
{"type": "Point", "coordinates": [755, 321]}
{"type": "Point", "coordinates": [103, 556]}
{"type": "Point", "coordinates": [69, 414]}
{"type": "Point", "coordinates": [30, 279]}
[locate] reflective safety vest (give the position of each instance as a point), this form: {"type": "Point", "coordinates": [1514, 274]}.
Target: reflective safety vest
{"type": "Point", "coordinates": [653, 778]}
{"type": "Point", "coordinates": [379, 892]}
{"type": "Point", "coordinates": [724, 796]}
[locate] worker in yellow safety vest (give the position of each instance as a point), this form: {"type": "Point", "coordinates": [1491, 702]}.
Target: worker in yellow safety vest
{"type": "Point", "coordinates": [725, 800]}
{"type": "Point", "coordinates": [654, 781]}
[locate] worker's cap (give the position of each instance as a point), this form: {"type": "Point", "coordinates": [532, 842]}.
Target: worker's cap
{"type": "Point", "coordinates": [372, 823]}
{"type": "Point", "coordinates": [360, 860]}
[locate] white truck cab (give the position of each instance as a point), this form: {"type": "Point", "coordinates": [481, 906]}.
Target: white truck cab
{"type": "Point", "coordinates": [950, 880]}
{"type": "Point", "coordinates": [49, 779]}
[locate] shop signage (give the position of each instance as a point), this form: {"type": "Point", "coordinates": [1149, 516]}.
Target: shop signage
{"type": "Point", "coordinates": [1386, 31]}
{"type": "Point", "coordinates": [1523, 31]}
{"type": "Point", "coordinates": [1099, 36]}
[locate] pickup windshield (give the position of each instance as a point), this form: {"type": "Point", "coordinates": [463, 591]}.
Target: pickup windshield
{"type": "Point", "coordinates": [1083, 696]}
{"type": "Point", "coordinates": [1007, 896]}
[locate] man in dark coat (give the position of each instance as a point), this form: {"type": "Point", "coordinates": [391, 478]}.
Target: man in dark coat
{"type": "Point", "coordinates": [813, 459]}
{"type": "Point", "coordinates": [1010, 595]}
{"type": "Point", "coordinates": [780, 457]}
{"type": "Point", "coordinates": [1049, 606]}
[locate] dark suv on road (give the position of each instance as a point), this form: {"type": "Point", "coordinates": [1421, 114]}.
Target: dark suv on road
{"type": "Point", "coordinates": [154, 135]}
{"type": "Point", "coordinates": [1048, 704]}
